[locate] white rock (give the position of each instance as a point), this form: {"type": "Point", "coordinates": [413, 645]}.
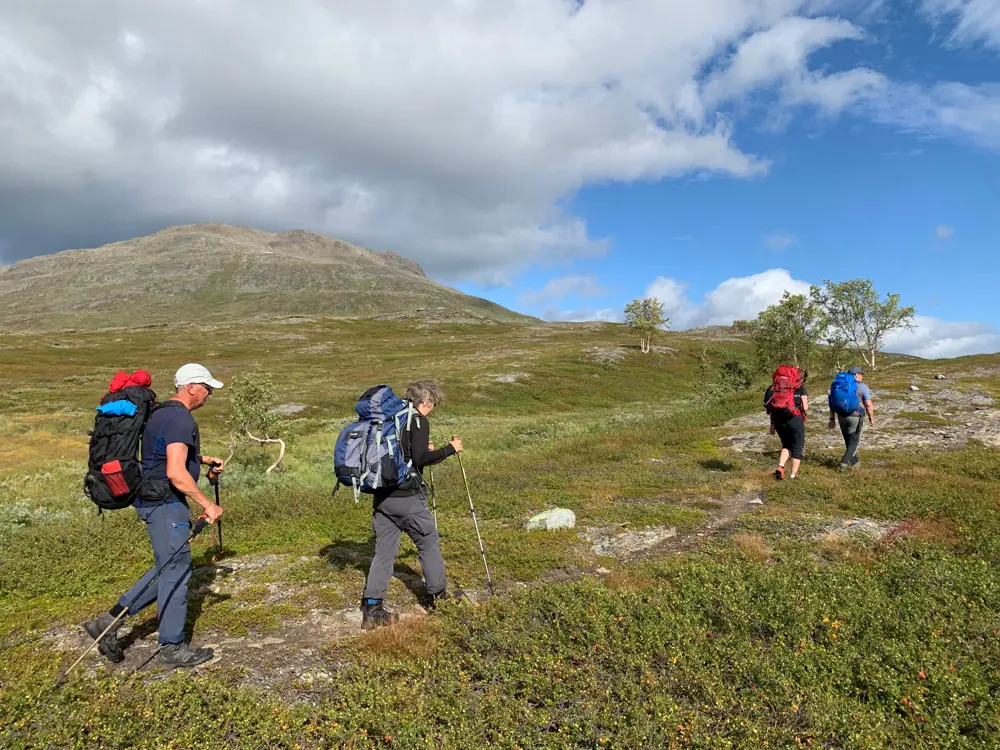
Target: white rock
{"type": "Point", "coordinates": [560, 518]}
{"type": "Point", "coordinates": [756, 501]}
{"type": "Point", "coordinates": [914, 388]}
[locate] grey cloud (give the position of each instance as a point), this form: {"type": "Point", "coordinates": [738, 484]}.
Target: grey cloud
{"type": "Point", "coordinates": [455, 146]}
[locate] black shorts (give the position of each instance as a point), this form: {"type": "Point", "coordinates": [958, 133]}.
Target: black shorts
{"type": "Point", "coordinates": [793, 436]}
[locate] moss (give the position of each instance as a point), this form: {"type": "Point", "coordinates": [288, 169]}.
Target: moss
{"type": "Point", "coordinates": [767, 633]}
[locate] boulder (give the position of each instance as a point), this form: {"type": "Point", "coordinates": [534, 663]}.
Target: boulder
{"type": "Point", "coordinates": [558, 518]}
{"type": "Point", "coordinates": [940, 377]}
{"type": "Point", "coordinates": [914, 388]}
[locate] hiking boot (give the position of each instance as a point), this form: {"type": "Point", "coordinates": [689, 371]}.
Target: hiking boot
{"type": "Point", "coordinates": [779, 473]}
{"type": "Point", "coordinates": [431, 600]}
{"type": "Point", "coordinates": [842, 468]}
{"type": "Point", "coordinates": [184, 655]}
{"type": "Point", "coordinates": [374, 614]}
{"type": "Point", "coordinates": [109, 646]}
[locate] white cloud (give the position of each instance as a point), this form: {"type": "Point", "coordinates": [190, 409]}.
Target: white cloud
{"type": "Point", "coordinates": [744, 298]}
{"type": "Point", "coordinates": [581, 287]}
{"type": "Point", "coordinates": [734, 299]}
{"type": "Point", "coordinates": [953, 110]}
{"type": "Point", "coordinates": [777, 56]}
{"type": "Point", "coordinates": [944, 231]}
{"type": "Point", "coordinates": [585, 315]}
{"type": "Point", "coordinates": [971, 20]}
{"type": "Point", "coordinates": [669, 292]}
{"type": "Point", "coordinates": [933, 338]}
{"type": "Point", "coordinates": [779, 241]}
{"type": "Point", "coordinates": [456, 145]}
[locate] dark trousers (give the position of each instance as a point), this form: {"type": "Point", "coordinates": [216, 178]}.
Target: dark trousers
{"type": "Point", "coordinates": [851, 426]}
{"type": "Point", "coordinates": [394, 516]}
{"type": "Point", "coordinates": [169, 526]}
{"type": "Point", "coordinates": [792, 433]}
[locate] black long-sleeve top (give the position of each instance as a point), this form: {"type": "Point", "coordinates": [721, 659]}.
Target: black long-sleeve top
{"type": "Point", "coordinates": [416, 442]}
{"type": "Point", "coordinates": [416, 447]}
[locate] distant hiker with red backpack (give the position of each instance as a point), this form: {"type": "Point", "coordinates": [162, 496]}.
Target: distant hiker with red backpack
{"type": "Point", "coordinates": [850, 400]}
{"type": "Point", "coordinates": [787, 402]}
{"type": "Point", "coordinates": [384, 455]}
{"type": "Point", "coordinates": [171, 466]}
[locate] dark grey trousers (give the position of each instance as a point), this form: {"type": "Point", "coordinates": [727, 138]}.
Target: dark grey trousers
{"type": "Point", "coordinates": [169, 526]}
{"type": "Point", "coordinates": [851, 427]}
{"type": "Point", "coordinates": [394, 516]}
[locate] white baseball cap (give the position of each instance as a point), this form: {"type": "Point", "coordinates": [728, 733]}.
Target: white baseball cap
{"type": "Point", "coordinates": [190, 374]}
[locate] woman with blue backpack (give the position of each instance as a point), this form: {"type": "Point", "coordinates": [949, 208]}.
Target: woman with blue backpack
{"type": "Point", "coordinates": [384, 455]}
{"type": "Point", "coordinates": [850, 400]}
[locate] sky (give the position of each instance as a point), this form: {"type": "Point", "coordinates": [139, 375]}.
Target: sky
{"type": "Point", "coordinates": [561, 157]}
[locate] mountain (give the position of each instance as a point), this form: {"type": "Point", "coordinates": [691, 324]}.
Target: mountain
{"type": "Point", "coordinates": [217, 272]}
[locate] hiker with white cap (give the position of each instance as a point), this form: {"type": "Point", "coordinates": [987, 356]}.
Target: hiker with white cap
{"type": "Point", "coordinates": [171, 467]}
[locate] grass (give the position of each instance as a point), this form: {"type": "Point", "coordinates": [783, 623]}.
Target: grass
{"type": "Point", "coordinates": [770, 634]}
{"type": "Point", "coordinates": [925, 418]}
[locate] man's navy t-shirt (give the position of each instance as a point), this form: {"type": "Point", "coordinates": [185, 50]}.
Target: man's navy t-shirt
{"type": "Point", "coordinates": [168, 424]}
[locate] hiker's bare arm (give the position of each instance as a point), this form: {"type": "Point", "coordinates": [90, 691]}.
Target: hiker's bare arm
{"type": "Point", "coordinates": [179, 477]}
{"type": "Point", "coordinates": [805, 403]}
{"type": "Point", "coordinates": [870, 409]}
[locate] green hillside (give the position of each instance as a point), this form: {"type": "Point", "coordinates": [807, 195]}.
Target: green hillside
{"type": "Point", "coordinates": [215, 272]}
{"type": "Point", "coordinates": [697, 602]}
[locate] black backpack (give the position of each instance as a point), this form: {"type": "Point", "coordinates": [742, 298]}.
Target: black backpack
{"type": "Point", "coordinates": [114, 469]}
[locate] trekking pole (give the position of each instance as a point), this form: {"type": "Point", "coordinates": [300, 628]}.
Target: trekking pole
{"type": "Point", "coordinates": [482, 549]}
{"type": "Point", "coordinates": [213, 479]}
{"type": "Point", "coordinates": [434, 502]}
{"type": "Point", "coordinates": [200, 524]}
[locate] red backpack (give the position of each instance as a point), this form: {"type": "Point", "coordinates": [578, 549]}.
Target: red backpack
{"type": "Point", "coordinates": [783, 386]}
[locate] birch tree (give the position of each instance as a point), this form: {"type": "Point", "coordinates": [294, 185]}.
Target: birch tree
{"type": "Point", "coordinates": [251, 395]}
{"type": "Point", "coordinates": [858, 316]}
{"type": "Point", "coordinates": [645, 317]}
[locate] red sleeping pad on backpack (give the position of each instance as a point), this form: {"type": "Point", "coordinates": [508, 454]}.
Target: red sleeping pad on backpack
{"type": "Point", "coordinates": [785, 382]}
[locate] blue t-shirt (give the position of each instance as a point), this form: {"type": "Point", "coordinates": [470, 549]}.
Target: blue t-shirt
{"type": "Point", "coordinates": [169, 424]}
{"type": "Point", "coordinates": [864, 394]}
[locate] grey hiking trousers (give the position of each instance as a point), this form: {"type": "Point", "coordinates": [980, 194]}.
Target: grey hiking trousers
{"type": "Point", "coordinates": [169, 526]}
{"type": "Point", "coordinates": [851, 426]}
{"type": "Point", "coordinates": [391, 518]}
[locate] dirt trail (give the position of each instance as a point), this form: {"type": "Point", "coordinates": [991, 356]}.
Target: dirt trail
{"type": "Point", "coordinates": [940, 415]}
{"type": "Point", "coordinates": [293, 658]}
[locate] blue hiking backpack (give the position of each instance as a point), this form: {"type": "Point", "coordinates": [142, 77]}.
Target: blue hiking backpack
{"type": "Point", "coordinates": [368, 455]}
{"type": "Point", "coordinates": [844, 394]}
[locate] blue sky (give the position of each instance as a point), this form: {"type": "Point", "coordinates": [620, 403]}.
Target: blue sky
{"type": "Point", "coordinates": [561, 158]}
{"type": "Point", "coordinates": [917, 211]}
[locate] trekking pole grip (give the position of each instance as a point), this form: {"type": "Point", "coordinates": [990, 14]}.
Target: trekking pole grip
{"type": "Point", "coordinates": [199, 526]}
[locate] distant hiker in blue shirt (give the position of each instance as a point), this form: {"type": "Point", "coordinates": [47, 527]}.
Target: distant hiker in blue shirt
{"type": "Point", "coordinates": [850, 401]}
{"type": "Point", "coordinates": [171, 466]}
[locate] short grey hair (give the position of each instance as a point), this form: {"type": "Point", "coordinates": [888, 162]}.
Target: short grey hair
{"type": "Point", "coordinates": [424, 390]}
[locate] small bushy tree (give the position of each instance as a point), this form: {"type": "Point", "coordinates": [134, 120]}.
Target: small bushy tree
{"type": "Point", "coordinates": [790, 332]}
{"type": "Point", "coordinates": [857, 315]}
{"type": "Point", "coordinates": [645, 317]}
{"type": "Point", "coordinates": [735, 376]}
{"type": "Point", "coordinates": [251, 396]}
